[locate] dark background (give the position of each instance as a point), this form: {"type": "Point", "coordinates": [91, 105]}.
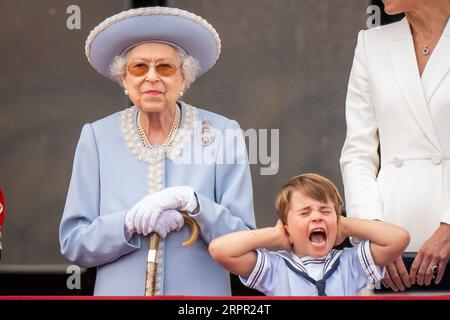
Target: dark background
{"type": "Point", "coordinates": [284, 65]}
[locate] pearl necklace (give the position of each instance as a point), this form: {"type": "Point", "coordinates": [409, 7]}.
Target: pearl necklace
{"type": "Point", "coordinates": [170, 136]}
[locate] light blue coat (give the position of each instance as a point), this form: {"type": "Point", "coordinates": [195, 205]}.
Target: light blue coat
{"type": "Point", "coordinates": [108, 179]}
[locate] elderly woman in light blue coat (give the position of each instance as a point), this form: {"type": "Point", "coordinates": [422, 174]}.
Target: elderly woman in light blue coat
{"type": "Point", "coordinates": [136, 170]}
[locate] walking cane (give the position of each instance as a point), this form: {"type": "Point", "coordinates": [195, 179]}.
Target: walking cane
{"type": "Point", "coordinates": [153, 247]}
{"type": "Point", "coordinates": [2, 218]}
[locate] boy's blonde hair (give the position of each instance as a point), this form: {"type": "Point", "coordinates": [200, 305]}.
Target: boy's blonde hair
{"type": "Point", "coordinates": [312, 185]}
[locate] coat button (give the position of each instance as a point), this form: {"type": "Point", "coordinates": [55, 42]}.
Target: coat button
{"type": "Point", "coordinates": [436, 159]}
{"type": "Point", "coordinates": [397, 162]}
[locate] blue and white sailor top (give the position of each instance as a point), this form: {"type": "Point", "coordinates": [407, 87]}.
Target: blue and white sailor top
{"type": "Point", "coordinates": [341, 273]}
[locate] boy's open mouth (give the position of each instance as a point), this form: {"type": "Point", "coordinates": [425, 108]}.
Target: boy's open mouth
{"type": "Point", "coordinates": [318, 237]}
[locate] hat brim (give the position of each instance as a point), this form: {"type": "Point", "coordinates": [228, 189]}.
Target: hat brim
{"type": "Point", "coordinates": [116, 34]}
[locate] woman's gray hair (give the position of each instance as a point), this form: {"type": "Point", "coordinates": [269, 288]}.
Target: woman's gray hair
{"type": "Point", "coordinates": [189, 66]}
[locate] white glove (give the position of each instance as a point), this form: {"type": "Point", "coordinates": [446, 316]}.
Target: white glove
{"type": "Point", "coordinates": [141, 218]}
{"type": "Point", "coordinates": [167, 222]}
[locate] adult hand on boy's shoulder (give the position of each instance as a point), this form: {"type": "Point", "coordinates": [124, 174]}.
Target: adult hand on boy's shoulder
{"type": "Point", "coordinates": [283, 238]}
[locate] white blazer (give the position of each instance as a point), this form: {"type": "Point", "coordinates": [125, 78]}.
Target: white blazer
{"type": "Point", "coordinates": [389, 105]}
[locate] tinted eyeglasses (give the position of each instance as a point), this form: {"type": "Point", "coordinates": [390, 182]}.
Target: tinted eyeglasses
{"type": "Point", "coordinates": [140, 68]}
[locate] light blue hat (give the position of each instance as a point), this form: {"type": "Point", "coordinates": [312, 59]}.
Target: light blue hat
{"type": "Point", "coordinates": [121, 32]}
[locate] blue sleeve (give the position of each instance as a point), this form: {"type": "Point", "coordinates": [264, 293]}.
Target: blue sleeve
{"type": "Point", "coordinates": [232, 209]}
{"type": "Point", "coordinates": [362, 265]}
{"type": "Point", "coordinates": [87, 237]}
{"type": "Point", "coordinates": [263, 277]}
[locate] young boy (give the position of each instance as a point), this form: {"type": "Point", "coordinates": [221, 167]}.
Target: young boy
{"type": "Point", "coordinates": [308, 228]}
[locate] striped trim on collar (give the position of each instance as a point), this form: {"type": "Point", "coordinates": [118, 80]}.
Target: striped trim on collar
{"type": "Point", "coordinates": [330, 265]}
{"type": "Point", "coordinates": [312, 261]}
{"type": "Point", "coordinates": [288, 257]}
{"type": "Point", "coordinates": [329, 260]}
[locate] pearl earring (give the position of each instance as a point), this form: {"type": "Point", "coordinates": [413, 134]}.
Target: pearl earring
{"type": "Point", "coordinates": [126, 92]}
{"type": "Point", "coordinates": [181, 93]}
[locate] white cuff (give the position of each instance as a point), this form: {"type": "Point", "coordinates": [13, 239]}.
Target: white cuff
{"type": "Point", "coordinates": [191, 204]}
{"type": "Point", "coordinates": [446, 216]}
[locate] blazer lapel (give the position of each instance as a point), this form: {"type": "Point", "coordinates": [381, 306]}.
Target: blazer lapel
{"type": "Point", "coordinates": [438, 65]}
{"type": "Point", "coordinates": [404, 65]}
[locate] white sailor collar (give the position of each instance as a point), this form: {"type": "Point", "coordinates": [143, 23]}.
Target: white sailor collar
{"type": "Point", "coordinates": [297, 263]}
